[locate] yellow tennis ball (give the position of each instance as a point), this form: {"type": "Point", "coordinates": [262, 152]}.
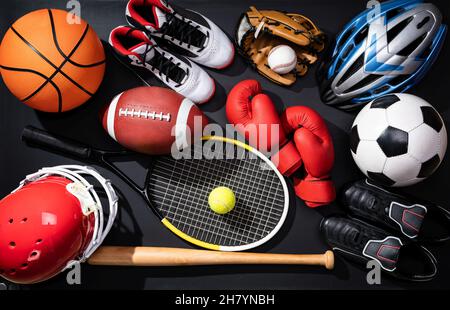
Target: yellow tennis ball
{"type": "Point", "coordinates": [222, 200]}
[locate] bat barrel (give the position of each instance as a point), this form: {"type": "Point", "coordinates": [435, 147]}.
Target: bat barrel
{"type": "Point", "coordinates": [146, 256]}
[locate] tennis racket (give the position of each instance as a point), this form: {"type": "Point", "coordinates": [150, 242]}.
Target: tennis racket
{"type": "Point", "coordinates": [177, 190]}
{"type": "Point", "coordinates": [154, 256]}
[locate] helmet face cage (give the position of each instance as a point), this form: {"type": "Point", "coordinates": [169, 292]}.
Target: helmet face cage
{"type": "Point", "coordinates": [89, 199]}
{"type": "Point", "coordinates": [383, 50]}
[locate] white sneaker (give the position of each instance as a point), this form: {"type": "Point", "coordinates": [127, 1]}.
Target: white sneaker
{"type": "Point", "coordinates": [146, 59]}
{"type": "Point", "coordinates": [185, 32]}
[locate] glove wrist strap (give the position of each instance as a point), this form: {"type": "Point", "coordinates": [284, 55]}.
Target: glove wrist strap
{"type": "Point", "coordinates": [315, 192]}
{"type": "Point", "coordinates": [287, 160]}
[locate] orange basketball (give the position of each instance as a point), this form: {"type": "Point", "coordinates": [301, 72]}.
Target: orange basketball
{"type": "Point", "coordinates": [51, 63]}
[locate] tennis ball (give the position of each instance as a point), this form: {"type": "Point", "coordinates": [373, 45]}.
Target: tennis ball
{"type": "Point", "coordinates": [222, 200]}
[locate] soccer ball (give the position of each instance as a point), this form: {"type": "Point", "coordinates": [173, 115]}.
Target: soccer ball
{"type": "Point", "coordinates": [398, 140]}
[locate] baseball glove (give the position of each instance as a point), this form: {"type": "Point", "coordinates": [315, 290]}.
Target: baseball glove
{"type": "Point", "coordinates": [259, 31]}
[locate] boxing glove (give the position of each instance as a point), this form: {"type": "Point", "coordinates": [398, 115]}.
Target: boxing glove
{"type": "Point", "coordinates": [255, 117]}
{"type": "Point", "coordinates": [315, 146]}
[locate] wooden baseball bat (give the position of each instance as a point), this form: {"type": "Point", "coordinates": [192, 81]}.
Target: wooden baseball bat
{"type": "Point", "coordinates": [154, 256]}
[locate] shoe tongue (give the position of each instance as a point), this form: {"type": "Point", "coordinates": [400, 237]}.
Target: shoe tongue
{"type": "Point", "coordinates": [409, 218]}
{"type": "Point", "coordinates": [141, 48]}
{"type": "Point", "coordinates": [386, 252]}
{"type": "Point", "coordinates": [160, 17]}
{"type": "Point", "coordinates": [197, 38]}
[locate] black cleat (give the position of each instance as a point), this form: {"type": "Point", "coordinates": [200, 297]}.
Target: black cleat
{"type": "Point", "coordinates": [361, 242]}
{"type": "Point", "coordinates": [424, 222]}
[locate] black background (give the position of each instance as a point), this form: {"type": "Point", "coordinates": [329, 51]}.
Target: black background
{"type": "Point", "coordinates": [137, 225]}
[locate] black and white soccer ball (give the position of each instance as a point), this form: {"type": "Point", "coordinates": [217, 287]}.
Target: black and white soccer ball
{"type": "Point", "coordinates": [398, 140]}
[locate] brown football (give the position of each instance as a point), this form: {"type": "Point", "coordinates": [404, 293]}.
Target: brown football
{"type": "Point", "coordinates": [151, 119]}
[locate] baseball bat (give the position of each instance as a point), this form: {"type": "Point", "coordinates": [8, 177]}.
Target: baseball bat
{"type": "Point", "coordinates": [156, 256]}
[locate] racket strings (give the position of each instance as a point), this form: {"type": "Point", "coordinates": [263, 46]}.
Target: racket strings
{"type": "Point", "coordinates": [247, 193]}
{"type": "Point", "coordinates": [167, 168]}
{"type": "Point", "coordinates": [183, 215]}
{"type": "Point", "coordinates": [198, 198]}
{"type": "Point", "coordinates": [180, 189]}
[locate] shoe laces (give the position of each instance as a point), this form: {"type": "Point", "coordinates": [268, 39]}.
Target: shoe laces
{"type": "Point", "coordinates": [183, 29]}
{"type": "Point", "coordinates": [165, 66]}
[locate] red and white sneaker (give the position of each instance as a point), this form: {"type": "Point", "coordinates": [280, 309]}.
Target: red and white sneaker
{"type": "Point", "coordinates": [183, 31]}
{"type": "Point", "coordinates": [147, 60]}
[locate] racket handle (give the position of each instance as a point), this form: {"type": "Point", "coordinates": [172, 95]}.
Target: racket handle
{"type": "Point", "coordinates": [44, 139]}
{"type": "Point", "coordinates": [153, 256]}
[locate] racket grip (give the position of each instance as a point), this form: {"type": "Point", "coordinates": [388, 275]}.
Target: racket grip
{"type": "Point", "coordinates": [154, 256]}
{"type": "Point", "coordinates": [44, 139]}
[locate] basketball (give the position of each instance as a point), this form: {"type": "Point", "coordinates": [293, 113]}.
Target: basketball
{"type": "Point", "coordinates": [50, 62]}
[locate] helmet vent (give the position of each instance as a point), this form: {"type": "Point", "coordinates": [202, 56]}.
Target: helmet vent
{"type": "Point", "coordinates": [11, 221]}
{"type": "Point", "coordinates": [427, 52]}
{"type": "Point", "coordinates": [12, 244]}
{"type": "Point", "coordinates": [408, 50]}
{"type": "Point", "coordinates": [355, 67]}
{"type": "Point", "coordinates": [38, 241]}
{"type": "Point", "coordinates": [396, 80]}
{"type": "Point", "coordinates": [394, 13]}
{"type": "Point", "coordinates": [339, 64]}
{"type": "Point", "coordinates": [34, 256]}
{"type": "Point", "coordinates": [361, 36]}
{"type": "Point", "coordinates": [345, 36]}
{"type": "Point", "coordinates": [381, 89]}
{"type": "Point", "coordinates": [347, 51]}
{"type": "Point", "coordinates": [395, 31]}
{"type": "Point", "coordinates": [24, 220]}
{"type": "Point", "coordinates": [364, 82]}
{"type": "Point", "coordinates": [24, 266]}
{"type": "Point", "coordinates": [425, 21]}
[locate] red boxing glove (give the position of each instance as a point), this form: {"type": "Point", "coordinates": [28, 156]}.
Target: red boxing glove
{"type": "Point", "coordinates": [255, 117]}
{"type": "Point", "coordinates": [314, 143]}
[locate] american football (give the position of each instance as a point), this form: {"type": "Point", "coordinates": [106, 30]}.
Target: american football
{"type": "Point", "coordinates": [150, 119]}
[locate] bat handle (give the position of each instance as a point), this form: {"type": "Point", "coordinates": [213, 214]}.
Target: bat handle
{"type": "Point", "coordinates": [154, 256]}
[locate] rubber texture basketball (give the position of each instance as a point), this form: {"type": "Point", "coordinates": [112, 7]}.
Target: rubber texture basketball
{"type": "Point", "coordinates": [49, 63]}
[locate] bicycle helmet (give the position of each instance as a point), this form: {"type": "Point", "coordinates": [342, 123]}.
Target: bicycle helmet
{"type": "Point", "coordinates": [385, 49]}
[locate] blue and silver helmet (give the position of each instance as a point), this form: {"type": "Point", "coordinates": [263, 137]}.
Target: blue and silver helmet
{"type": "Point", "coordinates": [386, 49]}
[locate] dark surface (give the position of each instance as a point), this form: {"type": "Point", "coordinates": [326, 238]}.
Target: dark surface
{"type": "Point", "coordinates": [137, 225]}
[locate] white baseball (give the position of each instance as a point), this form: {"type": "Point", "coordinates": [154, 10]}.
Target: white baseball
{"type": "Point", "coordinates": [282, 59]}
